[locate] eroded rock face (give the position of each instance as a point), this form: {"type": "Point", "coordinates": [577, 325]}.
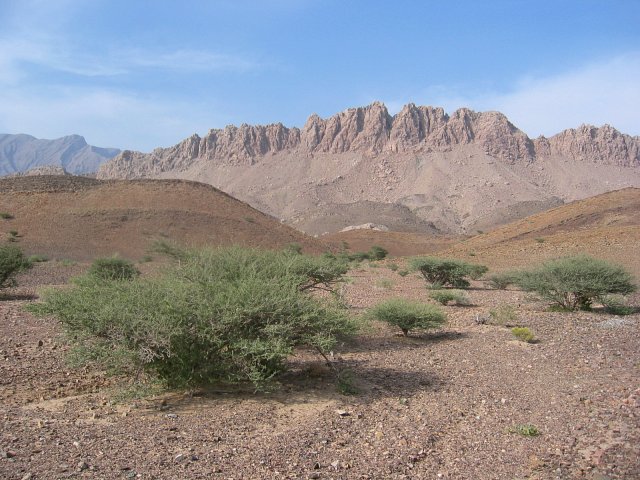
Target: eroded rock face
{"type": "Point", "coordinates": [368, 130]}
{"type": "Point", "coordinates": [591, 144]}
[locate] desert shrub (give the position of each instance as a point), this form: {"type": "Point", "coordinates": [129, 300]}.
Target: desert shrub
{"type": "Point", "coordinates": [501, 281]}
{"type": "Point", "coordinates": [575, 282]}
{"type": "Point", "coordinates": [616, 305]}
{"type": "Point", "coordinates": [377, 253]}
{"type": "Point", "coordinates": [526, 430]}
{"type": "Point", "coordinates": [12, 261]}
{"type": "Point", "coordinates": [540, 240]}
{"type": "Point", "coordinates": [113, 268]}
{"type": "Point", "coordinates": [444, 271]}
{"type": "Point", "coordinates": [446, 296]}
{"type": "Point", "coordinates": [293, 247]}
{"type": "Point", "coordinates": [393, 267]}
{"type": "Point", "coordinates": [504, 315]}
{"type": "Point", "coordinates": [6, 215]}
{"type": "Point", "coordinates": [385, 283]}
{"type": "Point", "coordinates": [523, 334]}
{"type": "Point", "coordinates": [229, 314]}
{"type": "Point", "coordinates": [403, 273]}
{"type": "Point", "coordinates": [37, 258]}
{"type": "Point", "coordinates": [407, 315]}
{"type": "Point", "coordinates": [357, 256]}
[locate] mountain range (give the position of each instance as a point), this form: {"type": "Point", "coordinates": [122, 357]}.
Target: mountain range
{"type": "Point", "coordinates": [420, 170]}
{"type": "Point", "coordinates": [21, 153]}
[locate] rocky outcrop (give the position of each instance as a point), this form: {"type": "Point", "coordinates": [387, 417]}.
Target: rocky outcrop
{"type": "Point", "coordinates": [368, 130]}
{"type": "Point", "coordinates": [591, 144]}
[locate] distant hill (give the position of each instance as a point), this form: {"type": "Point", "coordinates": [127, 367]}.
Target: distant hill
{"type": "Point", "coordinates": [20, 153]}
{"type": "Point", "coordinates": [81, 218]}
{"type": "Point", "coordinates": [420, 170]}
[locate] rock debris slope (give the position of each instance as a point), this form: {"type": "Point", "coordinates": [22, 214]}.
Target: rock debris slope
{"type": "Point", "coordinates": [455, 173]}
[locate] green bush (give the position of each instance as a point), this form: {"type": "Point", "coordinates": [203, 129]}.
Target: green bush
{"type": "Point", "coordinates": [408, 315]}
{"type": "Point", "coordinates": [575, 282]}
{"type": "Point", "coordinates": [12, 261]}
{"type": "Point", "coordinates": [113, 268]}
{"type": "Point", "coordinates": [504, 315]}
{"type": "Point", "coordinates": [501, 281]}
{"type": "Point", "coordinates": [526, 430]}
{"type": "Point", "coordinates": [229, 314]}
{"type": "Point", "coordinates": [377, 253]}
{"type": "Point", "coordinates": [616, 305]}
{"type": "Point", "coordinates": [523, 334]}
{"type": "Point", "coordinates": [446, 296]}
{"type": "Point", "coordinates": [444, 271]}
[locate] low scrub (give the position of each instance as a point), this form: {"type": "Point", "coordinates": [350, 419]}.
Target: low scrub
{"type": "Point", "coordinates": [575, 282]}
{"type": "Point", "coordinates": [12, 261]}
{"type": "Point", "coordinates": [523, 334]}
{"type": "Point", "coordinates": [408, 315]}
{"type": "Point", "coordinates": [502, 281]}
{"type": "Point", "coordinates": [441, 272]}
{"type": "Point", "coordinates": [223, 315]}
{"type": "Point", "coordinates": [445, 297]}
{"type": "Point", "coordinates": [113, 268]}
{"type": "Point", "coordinates": [504, 315]}
{"type": "Point", "coordinates": [616, 305]}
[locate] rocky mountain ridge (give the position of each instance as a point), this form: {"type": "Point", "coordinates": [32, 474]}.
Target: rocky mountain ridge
{"type": "Point", "coordinates": [21, 153]}
{"type": "Point", "coordinates": [453, 172]}
{"type": "Point", "coordinates": [372, 130]}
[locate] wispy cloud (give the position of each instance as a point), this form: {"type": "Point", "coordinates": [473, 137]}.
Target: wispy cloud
{"type": "Point", "coordinates": [604, 91]}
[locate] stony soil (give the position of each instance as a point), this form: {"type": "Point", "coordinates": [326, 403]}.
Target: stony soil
{"type": "Point", "coordinates": [434, 405]}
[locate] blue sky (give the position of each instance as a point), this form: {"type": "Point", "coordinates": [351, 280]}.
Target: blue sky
{"type": "Point", "coordinates": [139, 74]}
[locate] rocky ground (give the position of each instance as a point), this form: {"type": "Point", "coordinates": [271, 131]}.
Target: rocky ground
{"type": "Point", "coordinates": [439, 405]}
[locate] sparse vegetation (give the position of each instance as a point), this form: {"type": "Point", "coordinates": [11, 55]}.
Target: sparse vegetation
{"type": "Point", "coordinates": [146, 259]}
{"type": "Point", "coordinates": [6, 216]}
{"type": "Point", "coordinates": [446, 296]}
{"type": "Point", "coordinates": [113, 268]}
{"type": "Point", "coordinates": [377, 253]}
{"type": "Point", "coordinates": [346, 383]}
{"type": "Point", "coordinates": [616, 305]}
{"type": "Point", "coordinates": [501, 281]}
{"type": "Point", "coordinates": [294, 247]}
{"type": "Point", "coordinates": [384, 283]}
{"type": "Point", "coordinates": [229, 314]}
{"type": "Point", "coordinates": [393, 267]}
{"type": "Point", "coordinates": [403, 273]}
{"type": "Point", "coordinates": [12, 261]}
{"type": "Point", "coordinates": [540, 240]}
{"type": "Point", "coordinates": [504, 315]}
{"type": "Point", "coordinates": [526, 430]}
{"type": "Point", "coordinates": [37, 258]}
{"type": "Point", "coordinates": [408, 315]}
{"type": "Point", "coordinates": [523, 334]}
{"type": "Point", "coordinates": [444, 271]}
{"type": "Point", "coordinates": [67, 262]}
{"type": "Point", "coordinates": [575, 282]}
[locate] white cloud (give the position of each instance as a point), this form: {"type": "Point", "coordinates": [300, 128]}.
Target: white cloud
{"type": "Point", "coordinates": [600, 92]}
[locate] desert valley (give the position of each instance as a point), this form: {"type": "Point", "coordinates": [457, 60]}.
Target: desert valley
{"type": "Point", "coordinates": [500, 381]}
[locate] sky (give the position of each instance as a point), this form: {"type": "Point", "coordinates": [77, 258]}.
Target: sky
{"type": "Point", "coordinates": [140, 74]}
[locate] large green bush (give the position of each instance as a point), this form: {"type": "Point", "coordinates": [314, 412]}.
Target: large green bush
{"type": "Point", "coordinates": [229, 314]}
{"type": "Point", "coordinates": [575, 282]}
{"type": "Point", "coordinates": [12, 260]}
{"type": "Point", "coordinates": [408, 315]}
{"type": "Point", "coordinates": [445, 271]}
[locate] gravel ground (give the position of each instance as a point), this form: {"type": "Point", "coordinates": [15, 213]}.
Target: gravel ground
{"type": "Point", "coordinates": [439, 405]}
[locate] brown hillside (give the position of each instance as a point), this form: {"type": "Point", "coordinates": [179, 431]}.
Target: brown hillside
{"type": "Point", "coordinates": [81, 218]}
{"type": "Point", "coordinates": [606, 226]}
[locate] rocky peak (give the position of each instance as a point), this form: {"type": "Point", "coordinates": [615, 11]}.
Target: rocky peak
{"type": "Point", "coordinates": [592, 144]}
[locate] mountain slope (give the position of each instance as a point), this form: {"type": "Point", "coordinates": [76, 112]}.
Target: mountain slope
{"type": "Point", "coordinates": [460, 173]}
{"type": "Point", "coordinates": [20, 153]}
{"type": "Point", "coordinates": [81, 218]}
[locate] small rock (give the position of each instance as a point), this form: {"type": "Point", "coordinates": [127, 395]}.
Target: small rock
{"type": "Point", "coordinates": [336, 464]}
{"type": "Point", "coordinates": [82, 466]}
{"type": "Point", "coordinates": [314, 475]}
{"type": "Point", "coordinates": [40, 343]}
{"type": "Point", "coordinates": [180, 457]}
{"type": "Point", "coordinates": [171, 415]}
{"type": "Point", "coordinates": [7, 454]}
{"type": "Point", "coordinates": [28, 476]}
{"type": "Point", "coordinates": [343, 413]}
